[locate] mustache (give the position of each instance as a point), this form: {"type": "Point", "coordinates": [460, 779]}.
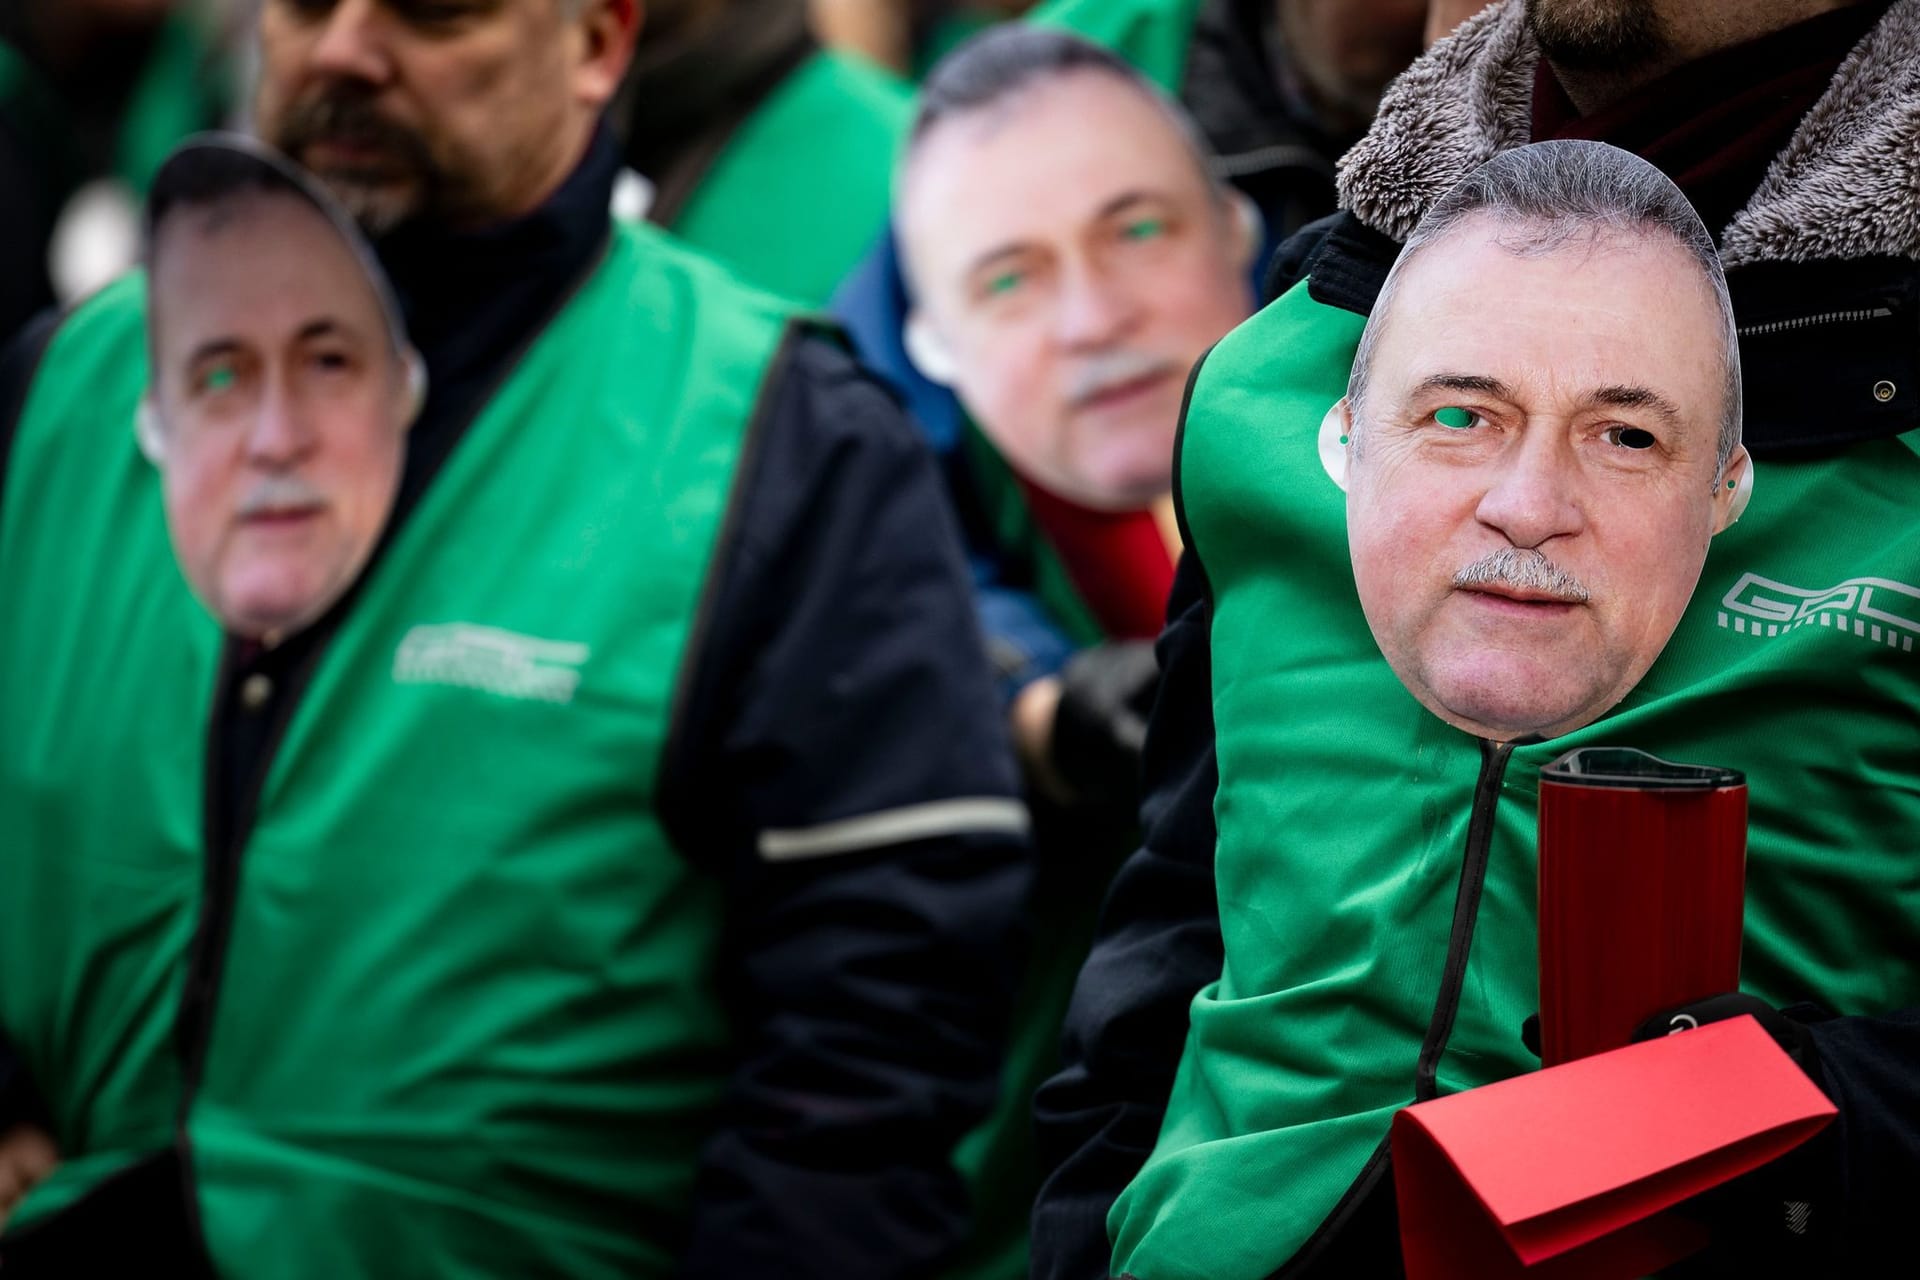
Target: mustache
{"type": "Point", "coordinates": [1101, 373]}
{"type": "Point", "coordinates": [279, 493]}
{"type": "Point", "coordinates": [346, 112]}
{"type": "Point", "coordinates": [1523, 570]}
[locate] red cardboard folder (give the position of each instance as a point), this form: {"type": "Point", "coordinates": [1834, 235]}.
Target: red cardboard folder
{"type": "Point", "coordinates": [1563, 1173]}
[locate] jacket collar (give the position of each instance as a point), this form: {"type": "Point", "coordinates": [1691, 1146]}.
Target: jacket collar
{"type": "Point", "coordinates": [1842, 189]}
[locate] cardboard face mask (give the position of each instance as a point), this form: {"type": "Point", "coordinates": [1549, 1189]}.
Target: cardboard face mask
{"type": "Point", "coordinates": [282, 386]}
{"type": "Point", "coordinates": [1532, 456]}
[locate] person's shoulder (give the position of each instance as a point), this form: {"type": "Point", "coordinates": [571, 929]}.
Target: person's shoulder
{"type": "Point", "coordinates": [1347, 260]}
{"type": "Point", "coordinates": [106, 328]}
{"type": "Point", "coordinates": [836, 402]}
{"type": "Point", "coordinates": [649, 255]}
{"type": "Point", "coordinates": [870, 89]}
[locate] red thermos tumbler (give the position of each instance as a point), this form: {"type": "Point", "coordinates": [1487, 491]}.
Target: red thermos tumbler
{"type": "Point", "coordinates": [1642, 880]}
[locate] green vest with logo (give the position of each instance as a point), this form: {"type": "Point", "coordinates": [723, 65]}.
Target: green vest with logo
{"type": "Point", "coordinates": [464, 1025]}
{"type": "Point", "coordinates": [1375, 868]}
{"type": "Point", "coordinates": [800, 191]}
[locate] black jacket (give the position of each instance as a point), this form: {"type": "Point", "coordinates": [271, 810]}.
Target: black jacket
{"type": "Point", "coordinates": [837, 673]}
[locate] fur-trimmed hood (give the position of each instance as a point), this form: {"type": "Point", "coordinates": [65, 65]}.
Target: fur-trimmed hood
{"type": "Point", "coordinates": [1846, 186]}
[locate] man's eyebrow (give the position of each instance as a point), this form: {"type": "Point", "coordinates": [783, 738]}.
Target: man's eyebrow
{"type": "Point", "coordinates": [1635, 397]}
{"type": "Point", "coordinates": [318, 327]}
{"type": "Point", "coordinates": [1012, 248]}
{"type": "Point", "coordinates": [1124, 199]}
{"type": "Point", "coordinates": [213, 347]}
{"type": "Point", "coordinates": [982, 261]}
{"type": "Point", "coordinates": [1475, 382]}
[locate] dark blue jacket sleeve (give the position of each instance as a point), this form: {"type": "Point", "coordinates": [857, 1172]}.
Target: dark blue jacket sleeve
{"type": "Point", "coordinates": [840, 760]}
{"type": "Point", "coordinates": [1158, 943]}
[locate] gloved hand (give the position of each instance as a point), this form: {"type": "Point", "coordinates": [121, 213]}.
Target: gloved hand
{"type": "Point", "coordinates": [1789, 1033]}
{"type": "Point", "coordinates": [1780, 1219]}
{"type": "Point", "coordinates": [1106, 693]}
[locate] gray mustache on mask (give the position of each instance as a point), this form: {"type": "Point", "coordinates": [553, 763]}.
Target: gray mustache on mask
{"type": "Point", "coordinates": [1101, 373]}
{"type": "Point", "coordinates": [1523, 569]}
{"type": "Point", "coordinates": [280, 493]}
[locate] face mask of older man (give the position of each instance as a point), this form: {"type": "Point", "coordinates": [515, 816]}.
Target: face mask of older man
{"type": "Point", "coordinates": [1540, 438]}
{"type": "Point", "coordinates": [1071, 259]}
{"type": "Point", "coordinates": [282, 388]}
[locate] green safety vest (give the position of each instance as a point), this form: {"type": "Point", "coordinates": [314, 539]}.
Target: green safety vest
{"type": "Point", "coordinates": [1345, 810]}
{"type": "Point", "coordinates": [465, 1022]}
{"type": "Point", "coordinates": [801, 190]}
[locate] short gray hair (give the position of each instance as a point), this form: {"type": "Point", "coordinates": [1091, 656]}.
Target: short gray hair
{"type": "Point", "coordinates": [1002, 62]}
{"type": "Point", "coordinates": [1549, 194]}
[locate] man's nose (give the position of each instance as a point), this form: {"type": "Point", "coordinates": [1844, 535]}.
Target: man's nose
{"type": "Point", "coordinates": [1096, 309]}
{"type": "Point", "coordinates": [280, 435]}
{"type": "Point", "coordinates": [1533, 493]}
{"type": "Point", "coordinates": [352, 44]}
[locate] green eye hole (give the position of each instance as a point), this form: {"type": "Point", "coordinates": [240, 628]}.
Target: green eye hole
{"type": "Point", "coordinates": [1145, 229]}
{"type": "Point", "coordinates": [220, 379]}
{"type": "Point", "coordinates": [1453, 416]}
{"type": "Point", "coordinates": [1006, 282]}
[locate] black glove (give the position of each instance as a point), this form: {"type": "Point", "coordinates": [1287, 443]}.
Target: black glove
{"type": "Point", "coordinates": [1788, 1029]}
{"type": "Point", "coordinates": [1782, 1218]}
{"type": "Point", "coordinates": [1106, 692]}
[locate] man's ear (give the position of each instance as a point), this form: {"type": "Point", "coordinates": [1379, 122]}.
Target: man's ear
{"type": "Point", "coordinates": [148, 431]}
{"type": "Point", "coordinates": [927, 350]}
{"type": "Point", "coordinates": [1249, 228]}
{"type": "Point", "coordinates": [607, 30]}
{"type": "Point", "coordinates": [1736, 490]}
{"type": "Point", "coordinates": [1336, 436]}
{"type": "Point", "coordinates": [416, 386]}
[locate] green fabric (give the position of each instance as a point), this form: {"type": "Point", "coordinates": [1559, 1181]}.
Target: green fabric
{"type": "Point", "coordinates": [1343, 804]}
{"type": "Point", "coordinates": [1153, 35]}
{"type": "Point", "coordinates": [465, 1025]}
{"type": "Point", "coordinates": [801, 191]}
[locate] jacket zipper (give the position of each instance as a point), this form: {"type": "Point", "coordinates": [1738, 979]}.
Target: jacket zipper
{"type": "Point", "coordinates": [1807, 322]}
{"type": "Point", "coordinates": [1466, 911]}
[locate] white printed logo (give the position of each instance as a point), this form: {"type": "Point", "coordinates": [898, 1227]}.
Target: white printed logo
{"type": "Point", "coordinates": [487, 658]}
{"type": "Point", "coordinates": [1874, 609]}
